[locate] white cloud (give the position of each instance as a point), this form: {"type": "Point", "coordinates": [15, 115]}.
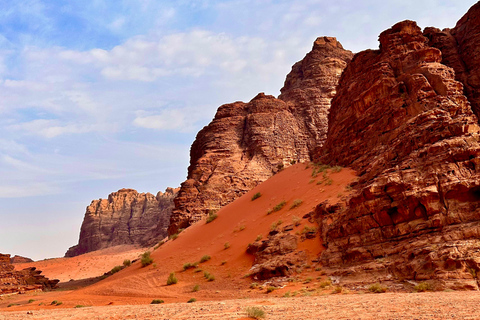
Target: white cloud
{"type": "Point", "coordinates": [51, 128]}
{"type": "Point", "coordinates": [170, 119]}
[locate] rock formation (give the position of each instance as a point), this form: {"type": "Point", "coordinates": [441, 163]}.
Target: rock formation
{"type": "Point", "coordinates": [246, 143]}
{"type": "Point", "coordinates": [28, 279]}
{"type": "Point", "coordinates": [126, 217]}
{"type": "Point", "coordinates": [401, 120]}
{"type": "Point", "coordinates": [20, 259]}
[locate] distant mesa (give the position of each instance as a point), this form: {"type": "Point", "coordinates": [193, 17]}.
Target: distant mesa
{"type": "Point", "coordinates": [20, 259]}
{"type": "Point", "coordinates": [126, 217]}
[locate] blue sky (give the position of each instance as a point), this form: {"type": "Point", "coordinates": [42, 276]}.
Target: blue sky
{"type": "Point", "coordinates": [100, 95]}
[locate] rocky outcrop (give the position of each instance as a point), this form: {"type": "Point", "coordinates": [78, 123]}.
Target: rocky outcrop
{"type": "Point", "coordinates": [461, 52]}
{"type": "Point", "coordinates": [126, 217]}
{"type": "Point", "coordinates": [401, 120]}
{"type": "Point", "coordinates": [277, 256]}
{"type": "Point", "coordinates": [12, 281]}
{"type": "Point", "coordinates": [20, 259]}
{"type": "Point", "coordinates": [246, 143]}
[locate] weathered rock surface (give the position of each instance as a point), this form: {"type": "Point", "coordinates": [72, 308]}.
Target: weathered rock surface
{"type": "Point", "coordinates": [126, 217]}
{"type": "Point", "coordinates": [28, 279]}
{"type": "Point", "coordinates": [246, 143]}
{"type": "Point", "coordinates": [401, 120]}
{"type": "Point", "coordinates": [461, 52]}
{"type": "Point", "coordinates": [276, 256]}
{"type": "Point", "coordinates": [20, 259]}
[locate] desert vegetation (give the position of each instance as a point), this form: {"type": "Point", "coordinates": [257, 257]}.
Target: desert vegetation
{"type": "Point", "coordinates": [256, 196]}
{"type": "Point", "coordinates": [146, 260]}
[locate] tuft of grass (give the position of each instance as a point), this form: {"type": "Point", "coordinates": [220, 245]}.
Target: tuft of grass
{"type": "Point", "coordinates": [127, 263]}
{"type": "Point", "coordinates": [208, 276]}
{"type": "Point", "coordinates": [191, 300]}
{"type": "Point", "coordinates": [253, 285]}
{"type": "Point", "coordinates": [79, 306]}
{"type": "Point", "coordinates": [308, 229]}
{"type": "Point", "coordinates": [296, 203]}
{"type": "Point", "coordinates": [205, 258]}
{"type": "Point", "coordinates": [211, 216]}
{"type": "Point", "coordinates": [190, 265]}
{"type": "Point", "coordinates": [154, 265]}
{"type": "Point", "coordinates": [226, 245]}
{"type": "Point", "coordinates": [224, 262]}
{"type": "Point", "coordinates": [337, 169]}
{"type": "Point", "coordinates": [159, 245]}
{"type": "Point", "coordinates": [172, 279]}
{"type": "Point", "coordinates": [196, 288]}
{"type": "Point", "coordinates": [242, 227]}
{"type": "Point", "coordinates": [259, 237]}
{"type": "Point", "coordinates": [377, 288]}
{"type": "Point", "coordinates": [328, 182]}
{"type": "Point", "coordinates": [308, 280]}
{"type": "Point", "coordinates": [31, 300]}
{"type": "Point", "coordinates": [296, 221]}
{"type": "Point", "coordinates": [255, 313]}
{"type": "Point", "coordinates": [146, 259]}
{"type": "Point", "coordinates": [116, 269]}
{"type": "Point", "coordinates": [423, 286]}
{"type": "Point", "coordinates": [256, 196]}
{"type": "Point", "coordinates": [56, 303]}
{"type": "Point", "coordinates": [197, 270]}
{"type": "Point", "coordinates": [157, 301]}
{"type": "Point", "coordinates": [270, 289]}
{"type": "Point", "coordinates": [275, 225]}
{"type": "Point", "coordinates": [325, 284]}
{"type": "Point", "coordinates": [287, 294]}
{"type": "Point", "coordinates": [279, 206]}
{"type": "Point", "coordinates": [173, 236]}
{"type": "Point", "coordinates": [338, 289]}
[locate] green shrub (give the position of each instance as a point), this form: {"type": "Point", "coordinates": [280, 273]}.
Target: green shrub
{"type": "Point", "coordinates": [191, 300]}
{"type": "Point", "coordinates": [211, 216]}
{"type": "Point", "coordinates": [173, 236]}
{"type": "Point", "coordinates": [172, 279]}
{"type": "Point", "coordinates": [308, 280]}
{"type": "Point", "coordinates": [208, 276]}
{"type": "Point", "coordinates": [338, 289]}
{"type": "Point", "coordinates": [116, 269]}
{"type": "Point", "coordinates": [146, 259]}
{"type": "Point", "coordinates": [226, 245]}
{"type": "Point", "coordinates": [158, 245]}
{"type": "Point", "coordinates": [275, 225]}
{"type": "Point", "coordinates": [296, 203]}
{"type": "Point", "coordinates": [31, 300]}
{"type": "Point", "coordinates": [270, 289]}
{"type": "Point", "coordinates": [256, 196]}
{"type": "Point", "coordinates": [325, 283]}
{"type": "Point", "coordinates": [377, 288]}
{"type": "Point", "coordinates": [253, 285]}
{"type": "Point", "coordinates": [127, 263]}
{"type": "Point", "coordinates": [205, 258]}
{"type": "Point", "coordinates": [337, 169]}
{"type": "Point", "coordinates": [54, 302]}
{"type": "Point", "coordinates": [279, 206]}
{"type": "Point", "coordinates": [255, 313]}
{"type": "Point", "coordinates": [423, 286]}
{"type": "Point", "coordinates": [190, 265]}
{"type": "Point", "coordinates": [157, 301]}
{"type": "Point", "coordinates": [79, 306]}
{"type": "Point", "coordinates": [196, 288]}
{"type": "Point", "coordinates": [308, 229]}
{"type": "Point", "coordinates": [328, 182]}
{"type": "Point", "coordinates": [259, 237]}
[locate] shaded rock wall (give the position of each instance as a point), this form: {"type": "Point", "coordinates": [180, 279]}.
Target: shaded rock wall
{"type": "Point", "coordinates": [246, 143]}
{"type": "Point", "coordinates": [126, 217]}
{"type": "Point", "coordinates": [401, 120]}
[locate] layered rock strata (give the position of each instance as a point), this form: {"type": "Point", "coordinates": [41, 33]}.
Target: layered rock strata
{"type": "Point", "coordinates": [246, 143]}
{"type": "Point", "coordinates": [401, 120]}
{"type": "Point", "coordinates": [12, 281]}
{"type": "Point", "coordinates": [125, 218]}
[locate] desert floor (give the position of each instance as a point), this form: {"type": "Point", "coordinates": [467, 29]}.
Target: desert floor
{"type": "Point", "coordinates": [434, 305]}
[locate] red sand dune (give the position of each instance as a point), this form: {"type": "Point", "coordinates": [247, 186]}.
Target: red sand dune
{"type": "Point", "coordinates": [239, 223]}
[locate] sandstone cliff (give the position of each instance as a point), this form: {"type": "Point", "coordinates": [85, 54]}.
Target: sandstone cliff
{"type": "Point", "coordinates": [126, 217]}
{"type": "Point", "coordinates": [401, 120]}
{"type": "Point", "coordinates": [246, 143]}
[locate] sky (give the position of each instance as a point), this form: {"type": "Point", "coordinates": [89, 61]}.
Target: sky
{"type": "Point", "coordinates": [101, 95]}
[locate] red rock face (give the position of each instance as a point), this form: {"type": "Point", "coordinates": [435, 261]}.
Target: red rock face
{"type": "Point", "coordinates": [246, 143]}
{"type": "Point", "coordinates": [126, 217]}
{"type": "Point", "coordinates": [461, 52]}
{"type": "Point", "coordinates": [28, 279]}
{"type": "Point", "coordinates": [20, 259]}
{"type": "Point", "coordinates": [401, 120]}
